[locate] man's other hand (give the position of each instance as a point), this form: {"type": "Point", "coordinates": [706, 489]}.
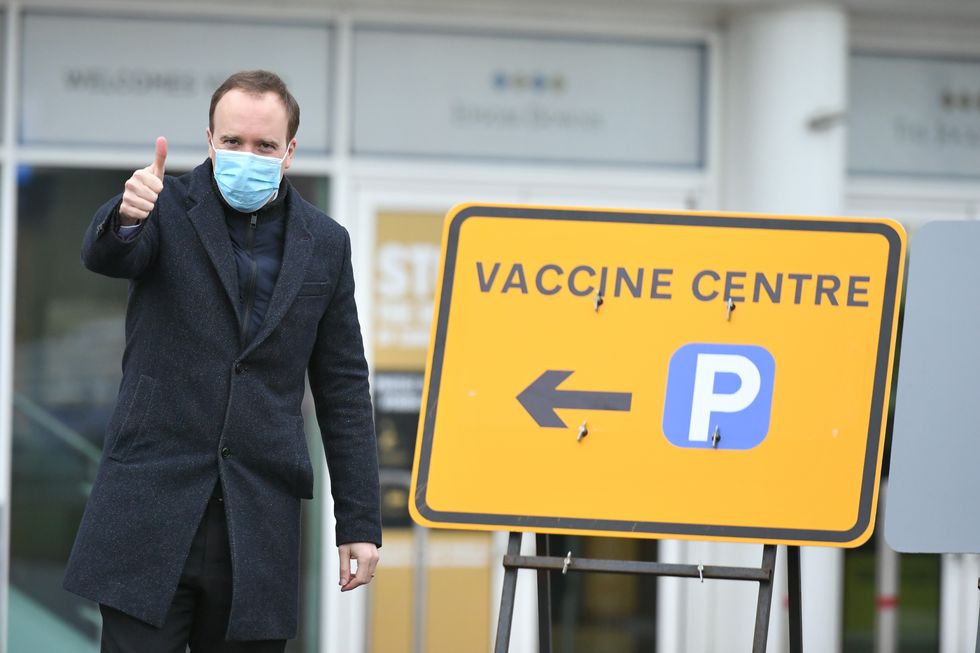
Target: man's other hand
{"type": "Point", "coordinates": [143, 188]}
{"type": "Point", "coordinates": [366, 555]}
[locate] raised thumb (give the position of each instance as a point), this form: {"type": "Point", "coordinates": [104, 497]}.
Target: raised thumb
{"type": "Point", "coordinates": [160, 160]}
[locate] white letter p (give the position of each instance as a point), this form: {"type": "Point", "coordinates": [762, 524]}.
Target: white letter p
{"type": "Point", "coordinates": [705, 401]}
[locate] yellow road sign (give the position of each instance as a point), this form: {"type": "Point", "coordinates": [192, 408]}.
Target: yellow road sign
{"type": "Point", "coordinates": [659, 374]}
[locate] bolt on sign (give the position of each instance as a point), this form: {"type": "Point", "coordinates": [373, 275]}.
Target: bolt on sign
{"type": "Point", "coordinates": [676, 374]}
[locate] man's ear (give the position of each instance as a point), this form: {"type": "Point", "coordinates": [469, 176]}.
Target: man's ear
{"type": "Point", "coordinates": [290, 151]}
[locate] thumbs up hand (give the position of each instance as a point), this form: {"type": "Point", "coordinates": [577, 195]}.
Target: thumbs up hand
{"type": "Point", "coordinates": [143, 188]}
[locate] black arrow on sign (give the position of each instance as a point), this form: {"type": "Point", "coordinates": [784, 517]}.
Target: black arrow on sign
{"type": "Point", "coordinates": [542, 397]}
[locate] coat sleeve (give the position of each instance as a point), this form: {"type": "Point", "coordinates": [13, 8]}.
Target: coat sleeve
{"type": "Point", "coordinates": [103, 251]}
{"type": "Point", "coordinates": [339, 382]}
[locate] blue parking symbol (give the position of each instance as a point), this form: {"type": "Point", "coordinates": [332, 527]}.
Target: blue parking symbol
{"type": "Point", "coordinates": [723, 389]}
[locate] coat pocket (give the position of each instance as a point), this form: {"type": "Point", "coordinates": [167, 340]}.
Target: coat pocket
{"type": "Point", "coordinates": [304, 469]}
{"type": "Point", "coordinates": [132, 425]}
{"type": "Point", "coordinates": [313, 289]}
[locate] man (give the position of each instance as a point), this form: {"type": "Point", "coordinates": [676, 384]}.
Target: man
{"type": "Point", "coordinates": [239, 289]}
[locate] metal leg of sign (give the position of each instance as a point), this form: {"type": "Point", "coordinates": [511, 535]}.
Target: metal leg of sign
{"type": "Point", "coordinates": [544, 596]}
{"type": "Point", "coordinates": [795, 600]}
{"type": "Point", "coordinates": [764, 607]}
{"type": "Point", "coordinates": [506, 618]}
{"type": "Point", "coordinates": [977, 647]}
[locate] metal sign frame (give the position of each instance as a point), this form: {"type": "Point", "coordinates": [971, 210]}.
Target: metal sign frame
{"type": "Point", "coordinates": [545, 563]}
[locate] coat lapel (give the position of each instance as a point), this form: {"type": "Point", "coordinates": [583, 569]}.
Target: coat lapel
{"type": "Point", "coordinates": [205, 213]}
{"type": "Point", "coordinates": [297, 249]}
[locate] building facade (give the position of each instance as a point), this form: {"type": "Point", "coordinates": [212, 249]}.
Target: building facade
{"type": "Point", "coordinates": [859, 107]}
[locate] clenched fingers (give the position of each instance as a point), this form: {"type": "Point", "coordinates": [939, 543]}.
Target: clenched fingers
{"type": "Point", "coordinates": [140, 194]}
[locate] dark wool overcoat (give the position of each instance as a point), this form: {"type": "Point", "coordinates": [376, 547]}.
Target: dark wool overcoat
{"type": "Point", "coordinates": [197, 404]}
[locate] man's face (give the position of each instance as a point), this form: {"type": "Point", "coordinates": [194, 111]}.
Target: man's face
{"type": "Point", "coordinates": [251, 123]}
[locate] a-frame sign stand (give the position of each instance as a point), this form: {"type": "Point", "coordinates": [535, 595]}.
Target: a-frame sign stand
{"type": "Point", "coordinates": [506, 363]}
{"type": "Point", "coordinates": [546, 563]}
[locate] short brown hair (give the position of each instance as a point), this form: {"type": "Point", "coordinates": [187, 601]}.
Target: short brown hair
{"type": "Point", "coordinates": [259, 82]}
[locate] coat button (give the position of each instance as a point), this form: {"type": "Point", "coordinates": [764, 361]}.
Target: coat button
{"type": "Point", "coordinates": [225, 452]}
{"type": "Point", "coordinates": [240, 369]}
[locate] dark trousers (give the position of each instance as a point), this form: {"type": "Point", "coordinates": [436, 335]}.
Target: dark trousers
{"type": "Point", "coordinates": [198, 617]}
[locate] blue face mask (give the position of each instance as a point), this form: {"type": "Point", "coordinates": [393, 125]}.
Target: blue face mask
{"type": "Point", "coordinates": [247, 181]}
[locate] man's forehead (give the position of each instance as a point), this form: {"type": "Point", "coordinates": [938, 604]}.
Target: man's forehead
{"type": "Point", "coordinates": [238, 109]}
{"type": "Point", "coordinates": [238, 95]}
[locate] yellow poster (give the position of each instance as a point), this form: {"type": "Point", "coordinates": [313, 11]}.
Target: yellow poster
{"type": "Point", "coordinates": [406, 267]}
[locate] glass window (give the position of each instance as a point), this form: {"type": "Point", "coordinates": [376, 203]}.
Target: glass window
{"type": "Point", "coordinates": [593, 613]}
{"type": "Point", "coordinates": [918, 600]}
{"type": "Point", "coordinates": [69, 342]}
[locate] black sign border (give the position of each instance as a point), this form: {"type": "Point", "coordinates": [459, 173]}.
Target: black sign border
{"type": "Point", "coordinates": [623, 528]}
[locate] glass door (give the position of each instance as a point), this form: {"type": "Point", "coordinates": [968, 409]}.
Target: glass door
{"type": "Point", "coordinates": [398, 239]}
